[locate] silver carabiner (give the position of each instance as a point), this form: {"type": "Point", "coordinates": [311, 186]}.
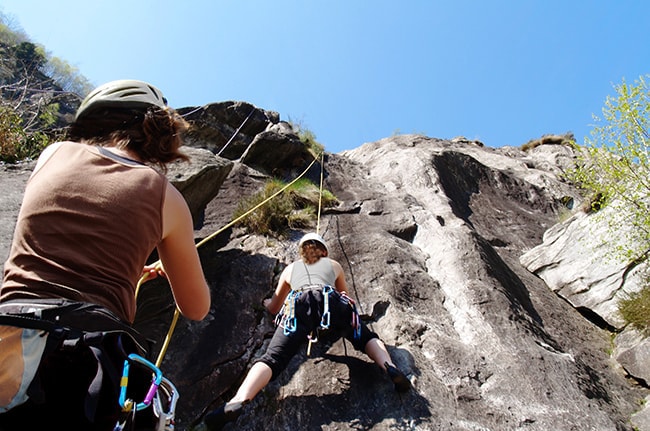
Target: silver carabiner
{"type": "Point", "coordinates": [166, 416]}
{"type": "Point", "coordinates": [325, 320]}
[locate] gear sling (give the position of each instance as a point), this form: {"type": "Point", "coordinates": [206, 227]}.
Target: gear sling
{"type": "Point", "coordinates": [38, 336]}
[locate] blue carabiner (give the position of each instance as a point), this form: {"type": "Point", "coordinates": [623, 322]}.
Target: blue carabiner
{"type": "Point", "coordinates": [290, 325]}
{"type": "Point", "coordinates": [127, 405]}
{"type": "Point", "coordinates": [289, 321]}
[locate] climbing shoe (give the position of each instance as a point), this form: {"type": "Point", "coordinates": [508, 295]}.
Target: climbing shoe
{"type": "Point", "coordinates": [401, 382]}
{"type": "Point", "coordinates": [228, 412]}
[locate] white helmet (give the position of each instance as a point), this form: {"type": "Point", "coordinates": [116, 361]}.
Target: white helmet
{"type": "Point", "coordinates": [312, 237]}
{"type": "Point", "coordinates": [123, 93]}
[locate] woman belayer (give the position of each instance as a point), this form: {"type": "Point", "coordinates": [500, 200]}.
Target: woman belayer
{"type": "Point", "coordinates": [311, 293]}
{"type": "Point", "coordinates": [93, 211]}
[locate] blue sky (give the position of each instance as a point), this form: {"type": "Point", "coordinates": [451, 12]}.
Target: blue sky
{"type": "Point", "coordinates": [355, 71]}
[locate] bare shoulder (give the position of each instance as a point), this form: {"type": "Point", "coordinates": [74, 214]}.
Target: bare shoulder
{"type": "Point", "coordinates": [176, 213]}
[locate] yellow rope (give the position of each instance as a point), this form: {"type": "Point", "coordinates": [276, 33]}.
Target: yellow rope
{"type": "Point", "coordinates": [320, 191]}
{"type": "Point", "coordinates": [208, 238]}
{"type": "Point", "coordinates": [313, 338]}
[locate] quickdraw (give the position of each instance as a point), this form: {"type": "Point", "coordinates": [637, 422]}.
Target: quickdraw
{"type": "Point", "coordinates": [129, 406]}
{"type": "Point", "coordinates": [325, 320]}
{"type": "Point", "coordinates": [286, 318]}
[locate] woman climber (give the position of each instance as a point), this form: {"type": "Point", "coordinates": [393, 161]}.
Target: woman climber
{"type": "Point", "coordinates": [311, 293]}
{"type": "Point", "coordinates": [93, 211]}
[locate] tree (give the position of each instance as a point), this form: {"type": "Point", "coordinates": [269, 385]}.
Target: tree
{"type": "Point", "coordinates": [30, 55]}
{"type": "Point", "coordinates": [614, 165]}
{"type": "Point", "coordinates": [67, 76]}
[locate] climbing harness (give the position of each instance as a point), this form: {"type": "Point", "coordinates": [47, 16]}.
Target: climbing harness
{"type": "Point", "coordinates": [51, 326]}
{"type": "Point", "coordinates": [286, 317]}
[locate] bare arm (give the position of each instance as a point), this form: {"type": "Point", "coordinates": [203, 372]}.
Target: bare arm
{"type": "Point", "coordinates": [180, 259]}
{"type": "Point", "coordinates": [339, 283]}
{"type": "Point", "coordinates": [274, 304]}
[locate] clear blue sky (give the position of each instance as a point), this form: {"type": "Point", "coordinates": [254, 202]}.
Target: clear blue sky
{"type": "Point", "coordinates": [355, 71]}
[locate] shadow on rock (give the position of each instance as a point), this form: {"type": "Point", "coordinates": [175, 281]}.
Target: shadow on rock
{"type": "Point", "coordinates": [363, 398]}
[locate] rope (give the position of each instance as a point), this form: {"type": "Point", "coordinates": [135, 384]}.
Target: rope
{"type": "Point", "coordinates": [200, 243]}
{"type": "Point", "coordinates": [313, 337]}
{"type": "Point", "coordinates": [192, 111]}
{"type": "Point", "coordinates": [236, 131]}
{"type": "Point", "coordinates": [320, 191]}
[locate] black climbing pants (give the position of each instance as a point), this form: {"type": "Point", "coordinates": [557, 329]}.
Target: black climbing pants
{"type": "Point", "coordinates": [308, 312]}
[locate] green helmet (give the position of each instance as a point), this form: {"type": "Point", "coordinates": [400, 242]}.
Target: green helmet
{"type": "Point", "coordinates": [124, 93]}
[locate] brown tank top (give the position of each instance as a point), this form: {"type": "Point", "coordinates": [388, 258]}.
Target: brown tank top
{"type": "Point", "coordinates": [88, 222]}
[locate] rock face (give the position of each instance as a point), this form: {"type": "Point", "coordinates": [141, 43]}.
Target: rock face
{"type": "Point", "coordinates": [431, 234]}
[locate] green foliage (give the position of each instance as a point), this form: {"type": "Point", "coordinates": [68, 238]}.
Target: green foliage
{"type": "Point", "coordinates": [295, 207]}
{"type": "Point", "coordinates": [10, 33]}
{"type": "Point", "coordinates": [308, 138]}
{"type": "Point", "coordinates": [67, 76]}
{"type": "Point", "coordinates": [15, 143]}
{"type": "Point", "coordinates": [30, 116]}
{"type": "Point", "coordinates": [614, 170]}
{"type": "Point", "coordinates": [48, 115]}
{"type": "Point", "coordinates": [11, 134]}
{"type": "Point", "coordinates": [34, 57]}
{"type": "Point", "coordinates": [31, 57]}
{"type": "Point", "coordinates": [614, 166]}
{"type": "Point", "coordinates": [270, 217]}
{"type": "Point", "coordinates": [635, 310]}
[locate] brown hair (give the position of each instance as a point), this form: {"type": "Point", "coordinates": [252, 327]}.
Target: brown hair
{"type": "Point", "coordinates": [312, 251]}
{"type": "Point", "coordinates": [154, 133]}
